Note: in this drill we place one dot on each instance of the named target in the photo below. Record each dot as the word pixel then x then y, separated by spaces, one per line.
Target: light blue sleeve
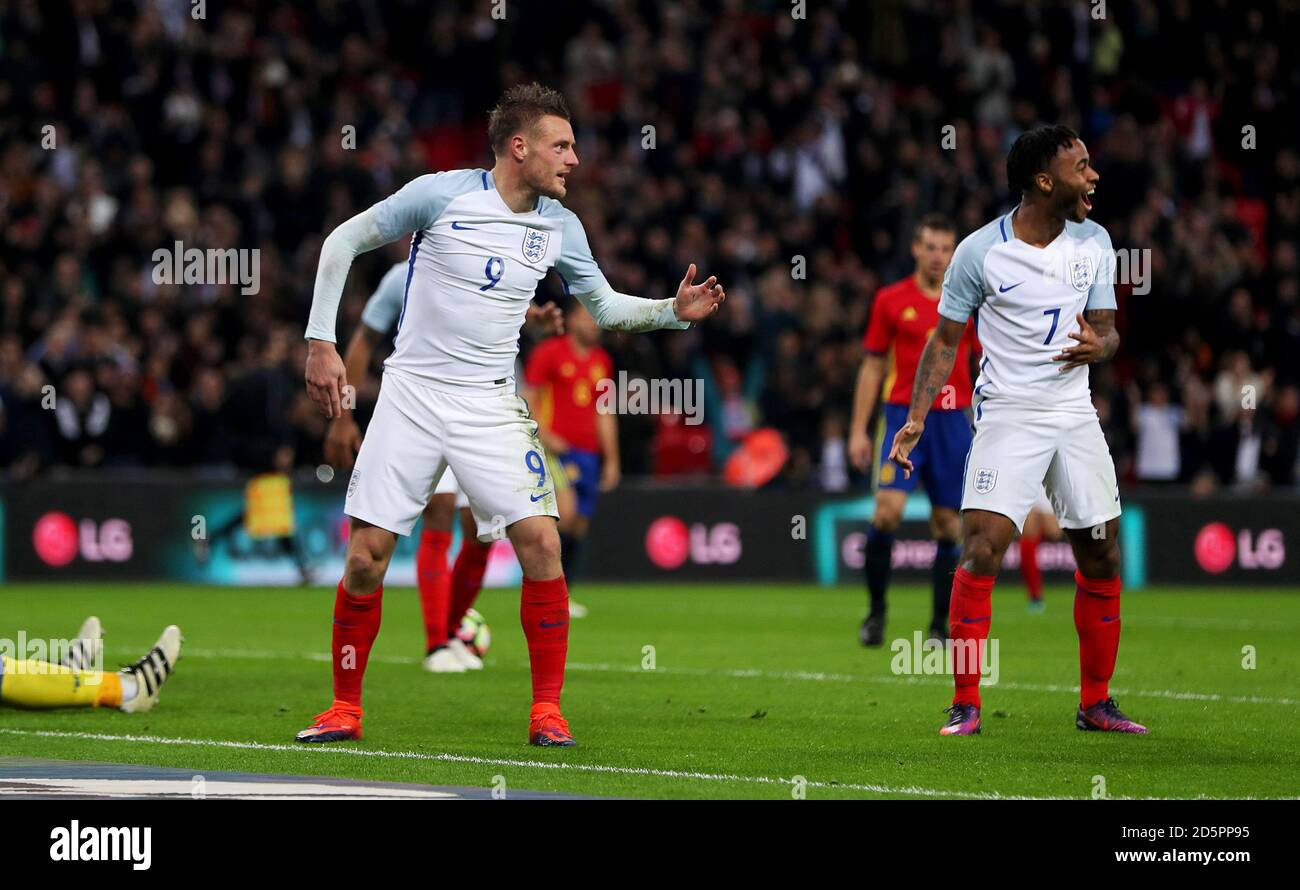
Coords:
pixel 420 202
pixel 385 304
pixel 576 265
pixel 963 283
pixel 1102 293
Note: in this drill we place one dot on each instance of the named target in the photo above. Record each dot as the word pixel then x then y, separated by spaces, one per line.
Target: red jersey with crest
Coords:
pixel 902 320
pixel 567 382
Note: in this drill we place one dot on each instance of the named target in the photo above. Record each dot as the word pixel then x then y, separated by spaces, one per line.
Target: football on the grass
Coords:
pixel 475 633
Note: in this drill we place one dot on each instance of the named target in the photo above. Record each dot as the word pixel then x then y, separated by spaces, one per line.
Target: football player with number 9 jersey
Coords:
pixel 482 240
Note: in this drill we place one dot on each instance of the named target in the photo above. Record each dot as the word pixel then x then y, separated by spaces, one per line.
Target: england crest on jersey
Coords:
pixel 1081 273
pixel 535 243
pixel 985 479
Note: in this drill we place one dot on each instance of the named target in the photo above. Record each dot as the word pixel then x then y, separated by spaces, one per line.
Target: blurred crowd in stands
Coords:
pixel 789 156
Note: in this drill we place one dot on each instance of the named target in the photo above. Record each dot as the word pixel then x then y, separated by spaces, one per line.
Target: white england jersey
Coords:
pixel 380 315
pixel 1025 300
pixel 385 304
pixel 473 269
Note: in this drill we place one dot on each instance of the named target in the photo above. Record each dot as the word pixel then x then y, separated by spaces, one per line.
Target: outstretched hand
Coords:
pixel 696 302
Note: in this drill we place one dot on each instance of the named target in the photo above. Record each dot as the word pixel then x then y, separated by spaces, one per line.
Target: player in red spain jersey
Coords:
pixel 903 315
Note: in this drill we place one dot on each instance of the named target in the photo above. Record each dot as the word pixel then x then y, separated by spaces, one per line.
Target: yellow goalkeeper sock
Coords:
pixel 39 684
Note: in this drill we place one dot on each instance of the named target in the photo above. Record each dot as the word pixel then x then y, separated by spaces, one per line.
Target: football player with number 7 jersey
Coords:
pixel 1038 283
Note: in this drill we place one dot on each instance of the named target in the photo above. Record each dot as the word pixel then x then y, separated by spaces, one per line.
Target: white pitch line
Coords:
pixel 753 673
pixel 316 750
pixel 902 791
pixel 1118 690
pixel 938 681
pixel 1239 624
pixel 909 791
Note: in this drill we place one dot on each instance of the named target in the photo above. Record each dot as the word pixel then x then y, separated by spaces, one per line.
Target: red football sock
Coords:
pixel 466 580
pixel 432 578
pixel 544 612
pixel 1096 618
pixel 969 614
pixel 356 624
pixel 1029 566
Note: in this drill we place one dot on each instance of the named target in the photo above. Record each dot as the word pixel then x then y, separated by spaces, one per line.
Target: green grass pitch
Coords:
pixel 756 691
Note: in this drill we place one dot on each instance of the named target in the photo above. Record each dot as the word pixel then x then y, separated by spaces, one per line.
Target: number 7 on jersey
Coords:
pixel 1056 317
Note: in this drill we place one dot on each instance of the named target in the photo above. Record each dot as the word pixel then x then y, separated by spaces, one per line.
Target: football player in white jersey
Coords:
pixel 482 241
pixel 1035 280
pixel 445 596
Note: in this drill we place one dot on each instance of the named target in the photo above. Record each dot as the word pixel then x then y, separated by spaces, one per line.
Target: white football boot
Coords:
pixel 86 652
pixel 461 651
pixel 152 671
pixel 444 661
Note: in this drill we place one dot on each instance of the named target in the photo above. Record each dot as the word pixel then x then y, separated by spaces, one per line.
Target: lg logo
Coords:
pixel 58 539
pixel 1217 547
pixel 669 543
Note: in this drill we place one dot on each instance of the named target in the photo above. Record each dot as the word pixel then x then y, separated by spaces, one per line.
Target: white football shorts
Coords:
pixel 448 485
pixel 485 436
pixel 1018 452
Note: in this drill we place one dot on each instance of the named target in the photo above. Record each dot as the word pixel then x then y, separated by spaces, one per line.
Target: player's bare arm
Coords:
pixel 870 376
pixel 1097 340
pixel 610 468
pixel 356 359
pixel 343 436
pixel 931 374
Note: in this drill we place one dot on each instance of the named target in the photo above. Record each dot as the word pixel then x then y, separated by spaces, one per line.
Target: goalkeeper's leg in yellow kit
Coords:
pixel 75 683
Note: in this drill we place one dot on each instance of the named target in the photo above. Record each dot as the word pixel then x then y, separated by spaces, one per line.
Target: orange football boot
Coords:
pixel 547 729
pixel 341 722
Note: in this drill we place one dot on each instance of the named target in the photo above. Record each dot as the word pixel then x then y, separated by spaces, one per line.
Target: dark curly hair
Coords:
pixel 1032 153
